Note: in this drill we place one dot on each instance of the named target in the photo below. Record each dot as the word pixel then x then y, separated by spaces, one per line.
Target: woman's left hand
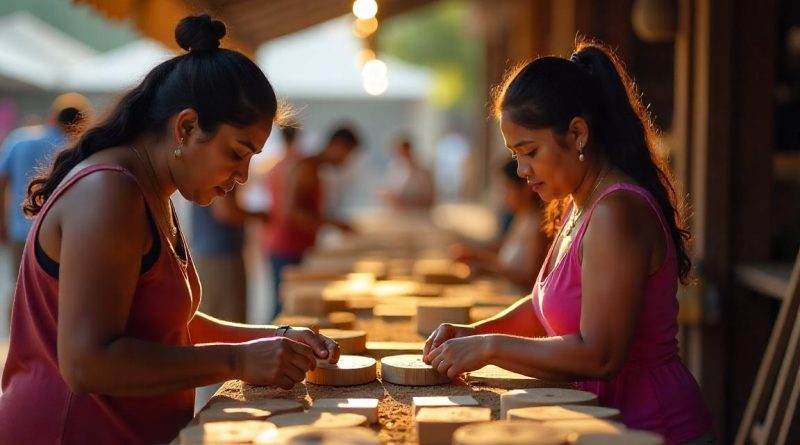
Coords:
pixel 322 346
pixel 459 355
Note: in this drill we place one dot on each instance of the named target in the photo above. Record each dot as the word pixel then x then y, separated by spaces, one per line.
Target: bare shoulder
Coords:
pixel 624 217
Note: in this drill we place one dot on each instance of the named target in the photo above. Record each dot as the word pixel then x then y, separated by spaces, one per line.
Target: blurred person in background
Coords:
pixel 107 345
pixel 25 150
pixel 297 212
pixel 409 184
pixel 524 246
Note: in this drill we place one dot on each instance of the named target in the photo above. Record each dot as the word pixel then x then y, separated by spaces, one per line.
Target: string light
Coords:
pixel 365 9
pixel 364 28
pixel 375 75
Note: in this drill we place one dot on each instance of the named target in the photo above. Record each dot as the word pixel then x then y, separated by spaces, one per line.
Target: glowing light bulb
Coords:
pixel 365 9
pixel 363 28
pixel 376 81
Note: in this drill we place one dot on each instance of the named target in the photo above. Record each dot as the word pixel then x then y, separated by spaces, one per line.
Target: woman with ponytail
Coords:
pixel 603 311
pixel 107 344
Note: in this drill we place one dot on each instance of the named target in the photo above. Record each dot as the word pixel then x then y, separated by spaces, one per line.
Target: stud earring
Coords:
pixel 178 153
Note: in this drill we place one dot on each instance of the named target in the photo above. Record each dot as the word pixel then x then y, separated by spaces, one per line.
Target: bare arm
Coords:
pixel 98 275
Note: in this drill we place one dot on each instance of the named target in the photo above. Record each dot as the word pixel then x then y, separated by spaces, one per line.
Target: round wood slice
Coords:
pixel 497 377
pixel 521 398
pixel 243 431
pixel 319 419
pixel 308 435
pixel 508 433
pixel 394 310
pixel 350 370
pixel 339 320
pixel 253 410
pixel 432 313
pixel 410 370
pixel 586 426
pixel 562 412
pixel 629 437
pixel 350 341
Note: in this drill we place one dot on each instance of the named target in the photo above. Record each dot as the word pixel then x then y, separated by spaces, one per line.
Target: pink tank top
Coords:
pixel 654 390
pixel 37 406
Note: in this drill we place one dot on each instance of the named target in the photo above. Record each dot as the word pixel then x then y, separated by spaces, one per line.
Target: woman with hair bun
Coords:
pixel 603 311
pixel 107 344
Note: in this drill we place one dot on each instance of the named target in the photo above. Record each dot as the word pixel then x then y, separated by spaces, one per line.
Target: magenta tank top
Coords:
pixel 654 391
pixel 38 407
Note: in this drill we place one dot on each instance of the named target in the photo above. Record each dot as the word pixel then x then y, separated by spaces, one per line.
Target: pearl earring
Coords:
pixel 178 153
pixel 581 157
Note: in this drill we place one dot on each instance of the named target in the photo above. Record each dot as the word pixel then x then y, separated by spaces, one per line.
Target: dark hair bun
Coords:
pixel 199 33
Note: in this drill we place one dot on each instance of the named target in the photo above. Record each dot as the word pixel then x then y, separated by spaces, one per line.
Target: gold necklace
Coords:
pixel 151 176
pixel 577 212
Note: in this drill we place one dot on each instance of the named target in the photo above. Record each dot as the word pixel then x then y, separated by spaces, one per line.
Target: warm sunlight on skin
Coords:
pixel 550 169
pixel 214 166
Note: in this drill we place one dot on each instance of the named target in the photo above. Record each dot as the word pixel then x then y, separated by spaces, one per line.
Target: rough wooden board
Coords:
pixel 521 398
pixel 630 437
pixel 350 370
pixel 562 412
pixel 380 349
pixel 305 435
pixel 248 410
pixel 350 341
pixel 508 433
pixel 409 369
pixel 366 407
pixel 496 376
pixel 437 425
pixel 243 431
pixel 441 401
pixel 319 419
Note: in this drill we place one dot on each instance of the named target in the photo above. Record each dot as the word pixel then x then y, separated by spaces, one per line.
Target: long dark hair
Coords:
pixel 221 85
pixel 550 91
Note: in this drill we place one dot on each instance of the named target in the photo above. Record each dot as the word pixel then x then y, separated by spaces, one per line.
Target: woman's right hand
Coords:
pixel 445 332
pixel 274 361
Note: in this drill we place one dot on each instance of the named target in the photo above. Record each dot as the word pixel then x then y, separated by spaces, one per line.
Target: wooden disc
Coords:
pixel 319 419
pixel 432 313
pixel 243 431
pixel 497 377
pixel 508 433
pixel 437 425
pixel 418 403
pixel 394 310
pixel 521 398
pixel 629 437
pixel 585 426
pixel 308 435
pixel 562 412
pixel 410 370
pixel 350 341
pixel 350 370
pixel 251 410
pixel 366 407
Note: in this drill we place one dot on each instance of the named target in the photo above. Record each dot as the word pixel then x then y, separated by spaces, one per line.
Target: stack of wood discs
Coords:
pixel 319 419
pixel 309 435
pixel 251 410
pixel 562 412
pixel 338 320
pixel 521 398
pixel 629 437
pixel 350 370
pixel 410 370
pixel 244 431
pixel 431 313
pixel 437 425
pixel 497 377
pixel 350 341
pixel 508 433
